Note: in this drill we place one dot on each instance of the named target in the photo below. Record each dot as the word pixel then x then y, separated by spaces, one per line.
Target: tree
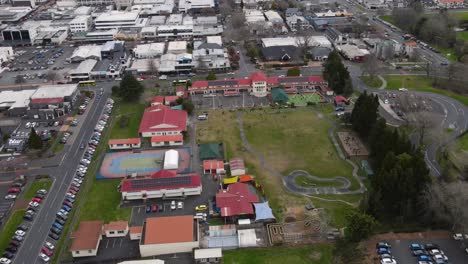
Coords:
pixel 304 42
pixel 238 20
pixel 364 114
pixel 252 51
pixel 188 106
pixel 370 66
pixel 35 141
pixel 19 79
pixel 460 49
pixel 360 226
pixel 337 75
pixel 296 71
pixel 211 77
pixel 152 67
pixel 225 8
pixel 52 76
pixel 130 89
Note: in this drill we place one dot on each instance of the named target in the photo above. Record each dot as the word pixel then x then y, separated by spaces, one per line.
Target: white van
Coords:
pixel 163 77
pixel 202 117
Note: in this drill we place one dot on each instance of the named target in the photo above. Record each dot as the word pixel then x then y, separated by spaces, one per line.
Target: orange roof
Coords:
pixel 136 229
pixel 124 141
pixel 213 164
pixel 87 236
pixel 116 225
pixel 245 178
pixel 411 43
pixel 167 138
pixel 169 229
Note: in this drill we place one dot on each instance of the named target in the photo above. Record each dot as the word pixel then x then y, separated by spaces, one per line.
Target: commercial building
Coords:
pixel 54 36
pixel 176 63
pixel 162 184
pixel 86 239
pixel 20 35
pixel 27 3
pixel 86 52
pixel 14 14
pixel 15 102
pixel 169 235
pixel 177 47
pixel 116 20
pixel 127 143
pixel 80 24
pixel 116 229
pixel 206 26
pixel 162 121
pixel 210 57
pixel 236 200
pixel 83 71
pixel 162 141
pixel 258 84
pixel 149 51
pixel 314 41
pixel 296 23
pixel 6 54
pixel 175 31
pixel 95 2
pixel 195 5
pixel 52 101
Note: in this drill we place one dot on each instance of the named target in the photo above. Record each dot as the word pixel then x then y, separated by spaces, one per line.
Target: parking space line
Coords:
pixel 113 242
pixel 120 245
pixel 107 243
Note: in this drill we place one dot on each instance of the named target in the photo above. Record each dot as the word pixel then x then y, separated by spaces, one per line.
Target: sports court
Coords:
pixel 147 162
pixel 303 99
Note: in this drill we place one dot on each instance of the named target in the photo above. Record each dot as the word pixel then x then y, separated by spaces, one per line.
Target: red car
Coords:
pixel 67 203
pixel 14 190
pixel 72 191
pixel 37 200
pixel 47 251
pixel 154 208
pixel 74 188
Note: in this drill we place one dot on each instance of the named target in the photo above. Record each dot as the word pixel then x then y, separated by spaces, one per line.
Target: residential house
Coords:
pixel 86 239
pixel 116 229
pixel 296 23
pixel 319 53
pixel 292 12
pixel 236 200
pixel 284 54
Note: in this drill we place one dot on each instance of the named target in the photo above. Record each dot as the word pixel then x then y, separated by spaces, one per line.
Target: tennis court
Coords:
pixel 122 164
pixel 303 99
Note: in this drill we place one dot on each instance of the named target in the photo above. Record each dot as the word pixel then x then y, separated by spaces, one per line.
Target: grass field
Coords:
pixel 10 227
pixel 462 35
pixel 420 83
pixel 139 163
pixel 134 112
pixel 447 52
pixel 303 99
pixel 388 18
pixel 462 15
pixel 305 181
pixel 311 254
pixel 371 82
pixel 463 141
pixel 35 186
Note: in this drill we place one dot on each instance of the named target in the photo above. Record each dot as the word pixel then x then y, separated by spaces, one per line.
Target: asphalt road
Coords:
pixel 63 174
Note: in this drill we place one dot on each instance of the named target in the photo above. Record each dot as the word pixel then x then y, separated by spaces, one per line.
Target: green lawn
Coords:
pixel 420 83
pixel 134 112
pixel 37 185
pixel 463 141
pixel 462 15
pixel 102 202
pixel 310 254
pixel 371 82
pixel 10 227
pixel 463 35
pixel 336 210
pixel 388 18
pixel 57 146
pixel 295 140
pixel 305 181
pixel 447 52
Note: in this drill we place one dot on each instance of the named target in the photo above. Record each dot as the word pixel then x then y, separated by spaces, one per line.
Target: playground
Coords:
pixel 303 99
pixel 122 164
pixel 352 145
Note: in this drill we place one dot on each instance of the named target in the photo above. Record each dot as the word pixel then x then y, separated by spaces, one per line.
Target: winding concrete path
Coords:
pixel 289 180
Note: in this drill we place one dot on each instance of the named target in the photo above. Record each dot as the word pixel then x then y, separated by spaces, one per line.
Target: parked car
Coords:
pixel 173 205
pixel 37 200
pixel 44 257
pixel 201 207
pixel 42 191
pixel 14 190
pixel 148 209
pixel 55 230
pixel 180 205
pixel 49 245
pixel 12 249
pixel 23 227
pixel 154 208
pixel 5 261
pixel 8 255
pixel 54 236
pixel 60 221
pixel 10 197
pixel 20 233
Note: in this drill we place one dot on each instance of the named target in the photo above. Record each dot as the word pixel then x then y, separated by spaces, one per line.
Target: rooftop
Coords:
pixel 85 66
pixel 177 45
pixel 14 99
pixel 236 200
pixel 124 141
pixel 164 180
pixel 163 119
pixel 116 225
pixel 169 229
pixel 87 236
pixel 116 16
pixel 54 91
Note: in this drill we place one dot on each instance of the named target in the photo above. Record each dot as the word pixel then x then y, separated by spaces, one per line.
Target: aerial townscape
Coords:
pixel 234 131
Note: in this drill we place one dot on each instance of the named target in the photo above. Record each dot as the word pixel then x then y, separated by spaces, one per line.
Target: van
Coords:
pixel 202 117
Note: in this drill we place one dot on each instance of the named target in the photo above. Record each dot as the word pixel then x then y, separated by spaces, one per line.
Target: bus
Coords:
pixel 179 82
pixel 87 83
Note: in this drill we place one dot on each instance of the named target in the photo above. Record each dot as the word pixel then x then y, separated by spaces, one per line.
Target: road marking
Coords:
pixel 113 243
pixel 63 158
pixel 120 242
pixel 107 243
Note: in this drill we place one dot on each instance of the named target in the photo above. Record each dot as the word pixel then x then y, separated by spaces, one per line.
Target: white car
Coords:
pixel 49 245
pixel 386 101
pixel 20 233
pixel 5 261
pixel 434 252
pixel 77 180
pixel 163 77
pixel 44 257
pixel 10 197
pixel 388 261
pixel 173 205
pixel 180 205
pixel 460 236
pixel 42 191
pixel 403 90
pixel 70 195
pixel 33 204
pixel 440 257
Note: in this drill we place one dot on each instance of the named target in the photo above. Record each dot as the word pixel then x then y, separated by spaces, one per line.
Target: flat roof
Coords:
pixel 157 47
pixel 85 66
pixel 169 229
pixel 54 91
pixel 116 16
pixel 15 99
pixel 208 253
pixel 177 45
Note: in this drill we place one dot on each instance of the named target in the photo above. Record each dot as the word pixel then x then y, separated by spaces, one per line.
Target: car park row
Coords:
pixel 424 254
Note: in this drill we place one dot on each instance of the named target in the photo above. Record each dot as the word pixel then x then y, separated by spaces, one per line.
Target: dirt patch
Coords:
pixel 315 255
pixel 20 204
pixel 352 144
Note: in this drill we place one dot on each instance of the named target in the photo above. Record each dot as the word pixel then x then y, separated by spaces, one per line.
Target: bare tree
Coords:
pixel 225 8
pixel 238 20
pixel 152 67
pixel 304 42
pixel 19 79
pixel 52 76
pixel 371 66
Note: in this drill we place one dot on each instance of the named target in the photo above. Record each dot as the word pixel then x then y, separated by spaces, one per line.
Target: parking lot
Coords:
pixel 453 250
pixel 218 101
pixel 5 205
pixel 407 104
pixel 33 63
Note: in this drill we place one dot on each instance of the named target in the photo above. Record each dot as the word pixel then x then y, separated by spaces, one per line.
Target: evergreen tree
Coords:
pixel 364 114
pixel 35 141
pixel 296 71
pixel 337 75
pixel 130 89
pixel 360 226
pixel 211 77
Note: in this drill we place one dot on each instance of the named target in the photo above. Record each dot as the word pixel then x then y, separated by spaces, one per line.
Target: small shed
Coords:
pixel 339 99
pixel 208 255
pixel 171 160
pixel 116 229
pixel 210 151
pixel 213 167
pixel 237 166
pixel 135 232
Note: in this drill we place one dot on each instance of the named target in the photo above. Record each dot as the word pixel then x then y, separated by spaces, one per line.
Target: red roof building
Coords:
pixel 47 101
pixel 236 200
pixel 124 143
pixel 170 99
pixel 162 121
pixel 181 91
pixel 213 166
pixel 340 99
pixel 157 100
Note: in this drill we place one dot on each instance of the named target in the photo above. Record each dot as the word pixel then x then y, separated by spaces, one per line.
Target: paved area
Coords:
pixel 113 250
pixel 5 205
pixel 218 101
pixel 451 248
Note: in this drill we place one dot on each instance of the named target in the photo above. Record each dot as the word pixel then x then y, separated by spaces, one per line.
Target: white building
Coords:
pixel 86 52
pixel 254 16
pixel 177 47
pixel 148 51
pixel 186 5
pixel 211 57
pixel 24 34
pixel 174 19
pixel 95 2
pixel 83 11
pixel 6 54
pixel 273 16
pixel 171 160
pixel 116 229
pixel 170 63
pixel 206 26
pixel 161 141
pixel 175 31
pixel 148 32
pixel 296 23
pixel 116 19
pixel 83 71
pixel 123 4
pixel 207 255
pixel 126 143
pixel 81 24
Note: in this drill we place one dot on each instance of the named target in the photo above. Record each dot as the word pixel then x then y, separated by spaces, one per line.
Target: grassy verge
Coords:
pixel 461 15
pixel 310 254
pixel 463 142
pixel 420 83
pixel 336 210
pixel 10 227
pixel 388 18
pixel 128 128
pixel 446 52
pixel 462 35
pixel 36 186
pixel 305 181
pixel 371 82
pixel 57 146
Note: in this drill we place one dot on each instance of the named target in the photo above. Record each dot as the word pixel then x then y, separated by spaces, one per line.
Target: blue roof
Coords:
pixel 263 211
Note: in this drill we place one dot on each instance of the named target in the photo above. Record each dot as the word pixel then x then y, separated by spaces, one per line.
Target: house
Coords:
pixel 135 232
pixel 161 184
pixel 213 167
pixel 409 47
pixel 296 23
pixel 126 143
pixel 169 235
pixel 161 141
pixel 207 255
pixel 211 57
pixel 157 100
pixel 116 229
pixel 171 99
pixel 236 200
pixel 237 166
pixel 162 121
pixel 336 36
pixel 352 52
pixel 319 53
pixel 340 100
pixel 292 12
pixel 282 54
pixel 86 239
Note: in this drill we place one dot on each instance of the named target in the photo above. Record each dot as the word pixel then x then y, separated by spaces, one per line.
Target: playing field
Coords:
pixel 303 99
pixel 144 162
